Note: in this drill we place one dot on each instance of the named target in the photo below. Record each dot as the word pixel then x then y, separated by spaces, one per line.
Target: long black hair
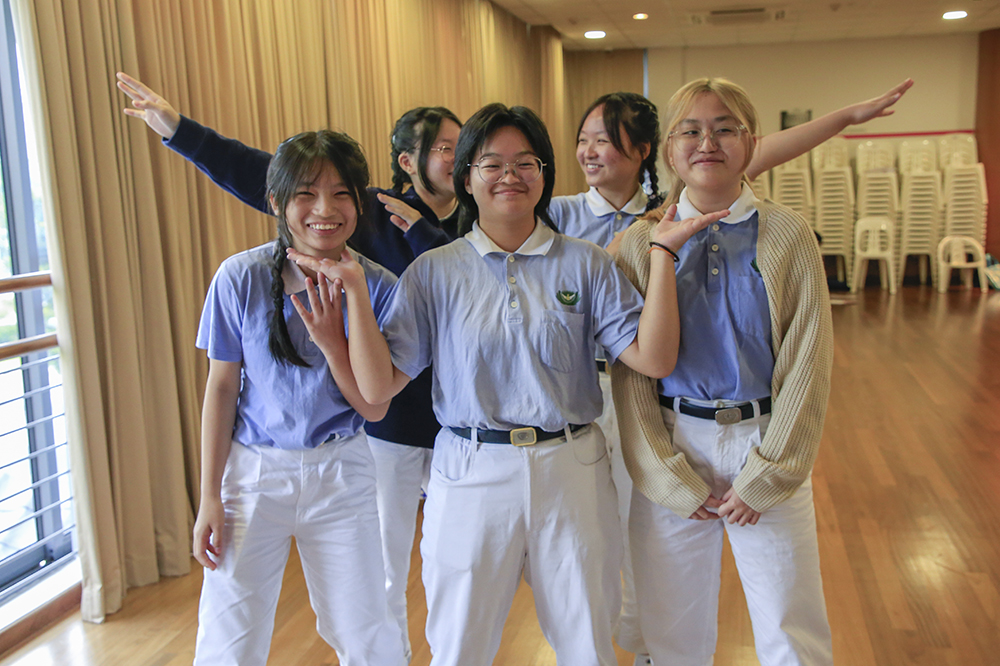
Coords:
pixel 299 160
pixel 483 124
pixel 417 129
pixel 638 117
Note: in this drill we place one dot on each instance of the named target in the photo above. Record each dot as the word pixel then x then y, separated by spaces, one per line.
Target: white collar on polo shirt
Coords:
pixel 538 242
pixel 600 206
pixel 741 209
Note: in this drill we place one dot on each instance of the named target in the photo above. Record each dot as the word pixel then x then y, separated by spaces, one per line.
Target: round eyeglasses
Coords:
pixel 493 169
pixel 446 152
pixel 723 137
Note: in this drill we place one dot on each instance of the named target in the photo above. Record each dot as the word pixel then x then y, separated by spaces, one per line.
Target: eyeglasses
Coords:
pixel 723 137
pixel 493 169
pixel 446 152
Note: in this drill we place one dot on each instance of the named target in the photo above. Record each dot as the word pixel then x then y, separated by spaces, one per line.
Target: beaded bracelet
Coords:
pixel 653 245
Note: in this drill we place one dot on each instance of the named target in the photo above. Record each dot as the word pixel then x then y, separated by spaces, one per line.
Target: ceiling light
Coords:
pixel 955 15
pixel 595 34
pixel 640 17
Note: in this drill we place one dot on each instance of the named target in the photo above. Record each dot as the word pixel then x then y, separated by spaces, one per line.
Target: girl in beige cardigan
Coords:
pixel 728 441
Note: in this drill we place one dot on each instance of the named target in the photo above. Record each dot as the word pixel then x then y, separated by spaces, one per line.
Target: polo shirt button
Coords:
pixel 510 259
pixel 618 216
pixel 513 304
pixel 715 227
pixel 715 247
pixel 512 279
pixel 715 271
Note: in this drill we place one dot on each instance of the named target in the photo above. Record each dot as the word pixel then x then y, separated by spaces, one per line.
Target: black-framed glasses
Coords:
pixel 493 169
pixel 724 137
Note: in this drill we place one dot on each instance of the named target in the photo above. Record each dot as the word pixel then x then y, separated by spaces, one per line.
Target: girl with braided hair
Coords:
pixel 283 450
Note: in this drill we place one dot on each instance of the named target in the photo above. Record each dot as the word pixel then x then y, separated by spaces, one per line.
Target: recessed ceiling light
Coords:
pixel 955 15
pixel 640 17
pixel 595 34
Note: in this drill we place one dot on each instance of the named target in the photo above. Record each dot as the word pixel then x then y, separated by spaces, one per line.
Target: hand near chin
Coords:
pixel 674 233
pixel 344 273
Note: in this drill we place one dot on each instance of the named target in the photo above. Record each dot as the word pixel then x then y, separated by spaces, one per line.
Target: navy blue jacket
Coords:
pixel 242 171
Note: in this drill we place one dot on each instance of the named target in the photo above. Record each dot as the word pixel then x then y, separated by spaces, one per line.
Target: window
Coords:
pixel 36 516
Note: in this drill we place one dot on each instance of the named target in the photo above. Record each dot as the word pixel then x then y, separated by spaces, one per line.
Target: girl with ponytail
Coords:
pixel 283 452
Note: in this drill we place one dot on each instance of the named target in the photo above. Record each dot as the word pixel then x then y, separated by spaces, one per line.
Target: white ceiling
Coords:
pixel 671 23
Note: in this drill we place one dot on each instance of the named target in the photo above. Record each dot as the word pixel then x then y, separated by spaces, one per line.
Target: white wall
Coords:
pixel 824 76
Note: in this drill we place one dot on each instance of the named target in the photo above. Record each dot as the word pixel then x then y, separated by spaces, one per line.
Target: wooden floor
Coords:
pixel 908 502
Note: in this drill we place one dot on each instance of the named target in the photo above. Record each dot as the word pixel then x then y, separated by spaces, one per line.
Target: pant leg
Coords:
pixel 401 471
pixel 574 547
pixel 238 599
pixel 677 564
pixel 337 534
pixel 472 548
pixel 778 561
pixel 627 631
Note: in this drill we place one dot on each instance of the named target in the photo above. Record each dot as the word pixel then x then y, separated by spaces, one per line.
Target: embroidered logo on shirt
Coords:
pixel 568 297
pixel 753 265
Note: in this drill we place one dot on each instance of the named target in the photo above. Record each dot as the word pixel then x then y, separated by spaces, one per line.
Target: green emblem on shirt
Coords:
pixel 568 297
pixel 753 265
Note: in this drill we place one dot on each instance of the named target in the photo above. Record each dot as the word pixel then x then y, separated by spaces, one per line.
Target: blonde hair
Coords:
pixel 732 96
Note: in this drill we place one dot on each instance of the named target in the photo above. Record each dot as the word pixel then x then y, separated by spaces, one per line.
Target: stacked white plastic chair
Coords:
pixel 874 156
pixel 957 150
pixel 965 202
pixel 835 217
pixel 878 186
pixel 922 203
pixel 963 253
pixel 791 186
pixel 917 155
pixel 761 185
pixel 832 153
pixel 873 239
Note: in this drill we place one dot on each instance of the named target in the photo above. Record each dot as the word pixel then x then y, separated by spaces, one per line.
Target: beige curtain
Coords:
pixel 135 233
pixel 590 74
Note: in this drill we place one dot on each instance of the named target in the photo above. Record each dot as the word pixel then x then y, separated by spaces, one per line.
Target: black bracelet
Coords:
pixel 666 249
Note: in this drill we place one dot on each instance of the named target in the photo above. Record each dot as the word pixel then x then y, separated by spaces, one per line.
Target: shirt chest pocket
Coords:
pixel 561 344
pixel 749 306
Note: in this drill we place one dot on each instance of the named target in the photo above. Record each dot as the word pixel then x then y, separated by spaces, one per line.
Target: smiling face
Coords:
pixel 510 199
pixel 604 165
pixel 709 169
pixel 321 214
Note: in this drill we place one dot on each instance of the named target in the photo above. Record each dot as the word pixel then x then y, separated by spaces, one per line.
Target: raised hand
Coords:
pixel 349 272
pixel 403 215
pixel 157 112
pixel 878 107
pixel 674 233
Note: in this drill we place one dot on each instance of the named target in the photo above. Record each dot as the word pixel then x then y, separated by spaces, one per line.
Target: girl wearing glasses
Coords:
pixel 616 149
pixel 510 316
pixel 400 225
pixel 727 442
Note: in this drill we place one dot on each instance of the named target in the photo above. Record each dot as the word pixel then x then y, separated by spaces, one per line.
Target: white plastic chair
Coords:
pixel 873 239
pixel 963 253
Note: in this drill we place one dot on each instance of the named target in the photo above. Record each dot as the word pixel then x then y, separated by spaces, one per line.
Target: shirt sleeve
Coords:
pixel 406 324
pixel 617 306
pixel 220 331
pixel 423 236
pixel 232 165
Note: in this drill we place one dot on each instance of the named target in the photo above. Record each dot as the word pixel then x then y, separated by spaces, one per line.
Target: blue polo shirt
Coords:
pixel 725 351
pixel 589 216
pixel 280 405
pixel 512 334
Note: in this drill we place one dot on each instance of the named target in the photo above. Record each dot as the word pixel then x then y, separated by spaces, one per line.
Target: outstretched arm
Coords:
pixel 235 167
pixel 780 147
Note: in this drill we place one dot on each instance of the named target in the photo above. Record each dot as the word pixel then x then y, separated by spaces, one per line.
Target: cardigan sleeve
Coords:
pixel 802 338
pixel 660 473
pixel 232 165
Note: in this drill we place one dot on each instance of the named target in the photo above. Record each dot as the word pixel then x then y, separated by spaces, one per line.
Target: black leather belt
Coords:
pixel 525 436
pixel 602 365
pixel 721 415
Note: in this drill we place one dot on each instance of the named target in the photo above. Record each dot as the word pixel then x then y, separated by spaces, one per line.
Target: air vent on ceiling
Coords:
pixel 737 16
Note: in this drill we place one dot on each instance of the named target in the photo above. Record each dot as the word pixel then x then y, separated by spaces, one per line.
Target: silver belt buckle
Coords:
pixel 728 416
pixel 524 436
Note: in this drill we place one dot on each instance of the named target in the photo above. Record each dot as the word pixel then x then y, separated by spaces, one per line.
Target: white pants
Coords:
pixel 678 561
pixel 401 472
pixel 627 631
pixel 325 498
pixel 494 511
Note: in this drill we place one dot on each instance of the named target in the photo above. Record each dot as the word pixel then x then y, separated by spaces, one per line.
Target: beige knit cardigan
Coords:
pixel 802 340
